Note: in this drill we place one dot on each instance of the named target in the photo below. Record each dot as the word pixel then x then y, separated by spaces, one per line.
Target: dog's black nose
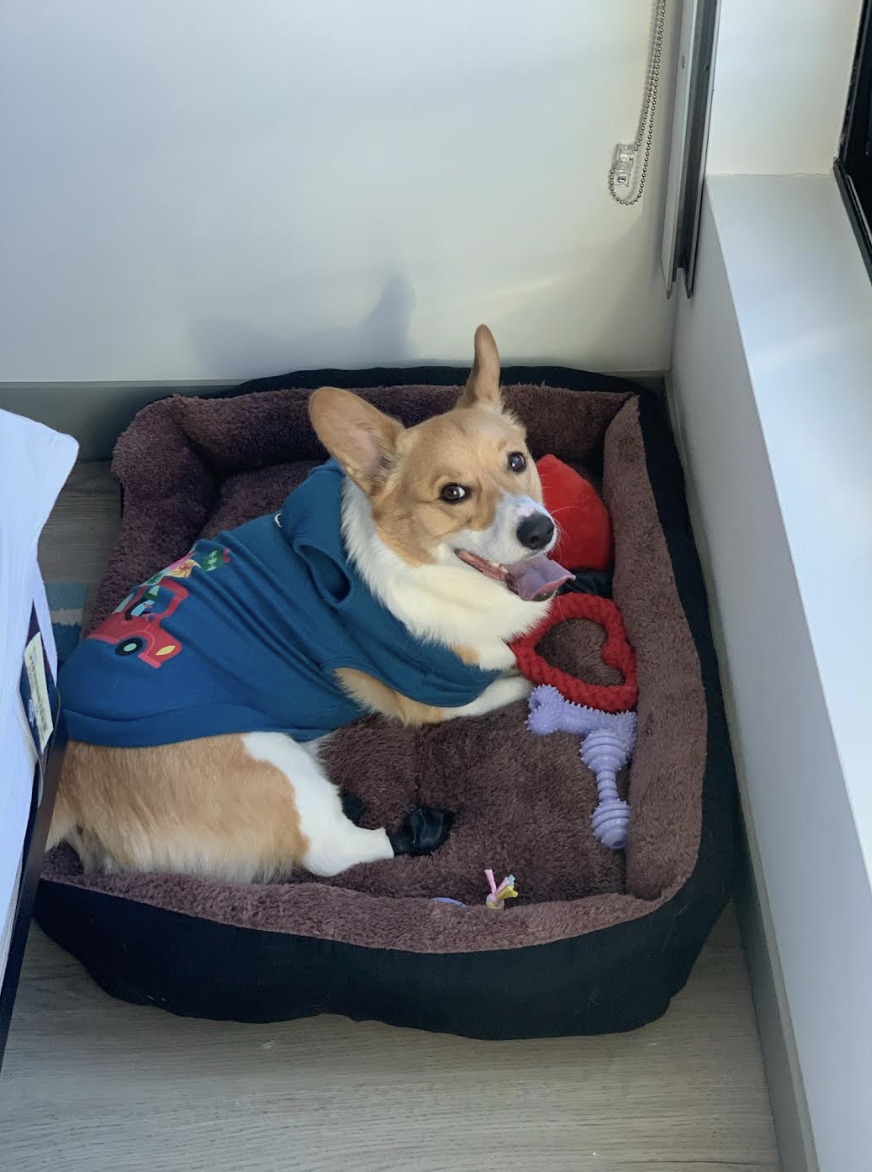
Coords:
pixel 536 531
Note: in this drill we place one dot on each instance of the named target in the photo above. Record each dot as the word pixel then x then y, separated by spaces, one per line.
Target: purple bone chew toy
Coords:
pixel 608 741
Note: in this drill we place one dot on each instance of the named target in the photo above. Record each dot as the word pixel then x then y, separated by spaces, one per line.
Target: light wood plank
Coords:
pixel 78 538
pixel 124 1089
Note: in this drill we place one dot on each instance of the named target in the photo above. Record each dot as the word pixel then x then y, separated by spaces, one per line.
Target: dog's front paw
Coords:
pixel 423 832
pixel 507 690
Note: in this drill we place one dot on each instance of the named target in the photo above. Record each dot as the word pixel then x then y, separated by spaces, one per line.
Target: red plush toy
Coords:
pixel 585 528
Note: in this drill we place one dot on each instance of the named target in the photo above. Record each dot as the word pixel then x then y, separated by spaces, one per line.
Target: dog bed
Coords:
pixel 599 940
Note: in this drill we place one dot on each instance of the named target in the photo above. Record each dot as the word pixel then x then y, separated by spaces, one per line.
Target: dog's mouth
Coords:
pixel 534 579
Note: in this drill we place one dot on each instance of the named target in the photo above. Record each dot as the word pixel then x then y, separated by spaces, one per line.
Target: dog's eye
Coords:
pixel 453 493
pixel 517 461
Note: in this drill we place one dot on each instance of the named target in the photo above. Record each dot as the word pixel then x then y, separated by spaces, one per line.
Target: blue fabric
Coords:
pixel 66 595
pixel 245 633
pixel 66 603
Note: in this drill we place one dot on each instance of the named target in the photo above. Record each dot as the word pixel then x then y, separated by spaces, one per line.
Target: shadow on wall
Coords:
pixel 382 338
pixel 532 313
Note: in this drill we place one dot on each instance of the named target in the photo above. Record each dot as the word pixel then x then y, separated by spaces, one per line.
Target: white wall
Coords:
pixel 780 85
pixel 214 189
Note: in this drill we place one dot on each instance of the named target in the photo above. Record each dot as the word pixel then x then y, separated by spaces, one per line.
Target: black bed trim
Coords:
pixel 435 376
pixel 614 979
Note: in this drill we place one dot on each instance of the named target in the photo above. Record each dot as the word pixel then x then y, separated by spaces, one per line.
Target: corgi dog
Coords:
pixel 391 581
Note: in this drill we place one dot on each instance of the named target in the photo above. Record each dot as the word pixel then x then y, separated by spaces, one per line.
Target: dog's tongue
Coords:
pixel 537 578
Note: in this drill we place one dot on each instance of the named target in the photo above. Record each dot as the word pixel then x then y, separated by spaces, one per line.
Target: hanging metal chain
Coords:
pixel 626 155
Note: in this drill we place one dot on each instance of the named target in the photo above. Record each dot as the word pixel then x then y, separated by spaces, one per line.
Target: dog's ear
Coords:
pixel 483 385
pixel 362 438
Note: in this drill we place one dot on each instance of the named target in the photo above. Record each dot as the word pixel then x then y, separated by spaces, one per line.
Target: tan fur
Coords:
pixel 467 654
pixel 202 806
pixel 483 385
pixel 378 697
pixel 402 470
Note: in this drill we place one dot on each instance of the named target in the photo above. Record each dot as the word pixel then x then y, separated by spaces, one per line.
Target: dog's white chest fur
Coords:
pixel 443 603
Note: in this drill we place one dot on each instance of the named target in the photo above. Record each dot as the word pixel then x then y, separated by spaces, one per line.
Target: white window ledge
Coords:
pixel 772 391
pixel 803 303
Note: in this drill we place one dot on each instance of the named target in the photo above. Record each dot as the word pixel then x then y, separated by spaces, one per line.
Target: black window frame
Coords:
pixel 853 166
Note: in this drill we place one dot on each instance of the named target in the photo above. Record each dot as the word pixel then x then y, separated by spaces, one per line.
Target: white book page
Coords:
pixel 34 464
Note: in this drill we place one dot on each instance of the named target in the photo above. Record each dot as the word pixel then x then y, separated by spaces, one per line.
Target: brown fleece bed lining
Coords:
pixel 190 467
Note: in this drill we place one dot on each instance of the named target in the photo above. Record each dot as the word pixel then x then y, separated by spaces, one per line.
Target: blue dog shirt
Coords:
pixel 245 634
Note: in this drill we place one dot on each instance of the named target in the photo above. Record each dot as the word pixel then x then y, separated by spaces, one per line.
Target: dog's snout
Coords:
pixel 536 531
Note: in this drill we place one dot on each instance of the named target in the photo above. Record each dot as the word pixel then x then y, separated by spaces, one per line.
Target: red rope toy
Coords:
pixel 616 652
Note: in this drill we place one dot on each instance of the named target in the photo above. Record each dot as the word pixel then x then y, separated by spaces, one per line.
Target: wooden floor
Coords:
pixel 94 1085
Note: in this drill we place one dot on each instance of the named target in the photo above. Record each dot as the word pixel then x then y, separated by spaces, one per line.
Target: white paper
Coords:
pixel 34 464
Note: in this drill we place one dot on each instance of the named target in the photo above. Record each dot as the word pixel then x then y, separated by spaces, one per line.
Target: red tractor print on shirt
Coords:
pixel 135 627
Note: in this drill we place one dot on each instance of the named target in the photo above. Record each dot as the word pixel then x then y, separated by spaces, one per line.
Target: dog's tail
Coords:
pixel 63 821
